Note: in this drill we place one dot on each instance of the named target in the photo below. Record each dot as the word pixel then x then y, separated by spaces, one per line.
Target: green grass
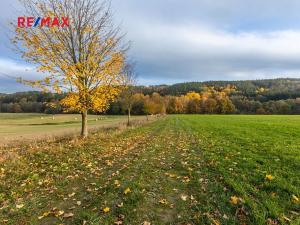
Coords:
pixel 180 170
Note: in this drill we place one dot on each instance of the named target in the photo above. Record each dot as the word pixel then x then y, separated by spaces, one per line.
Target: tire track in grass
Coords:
pixel 142 176
pixel 166 181
pixel 171 184
pixel 213 196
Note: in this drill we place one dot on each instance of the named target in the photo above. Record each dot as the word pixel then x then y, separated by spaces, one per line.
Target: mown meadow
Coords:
pixel 36 126
pixel 183 169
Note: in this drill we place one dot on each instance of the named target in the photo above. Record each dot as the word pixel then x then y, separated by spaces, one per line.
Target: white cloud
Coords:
pixel 175 40
pixel 10 69
pixel 202 53
pixel 18 69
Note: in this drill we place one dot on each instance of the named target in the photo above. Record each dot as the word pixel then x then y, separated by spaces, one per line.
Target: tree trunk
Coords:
pixel 129 115
pixel 84 125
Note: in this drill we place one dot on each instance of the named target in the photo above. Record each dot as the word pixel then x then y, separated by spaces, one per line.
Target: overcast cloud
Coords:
pixel 194 40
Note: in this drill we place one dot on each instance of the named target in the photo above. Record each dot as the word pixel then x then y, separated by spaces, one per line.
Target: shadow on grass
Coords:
pixel 54 123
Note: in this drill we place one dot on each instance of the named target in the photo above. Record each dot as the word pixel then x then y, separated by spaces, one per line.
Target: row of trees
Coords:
pixel 246 106
pixel 209 101
pixel 133 101
pixel 31 107
pixel 129 102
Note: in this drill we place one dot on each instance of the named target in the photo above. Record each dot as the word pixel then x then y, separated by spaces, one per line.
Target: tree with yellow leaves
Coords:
pixel 84 59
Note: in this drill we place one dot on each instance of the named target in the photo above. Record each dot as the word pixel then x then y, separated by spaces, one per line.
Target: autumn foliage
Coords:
pixel 210 101
pixel 85 60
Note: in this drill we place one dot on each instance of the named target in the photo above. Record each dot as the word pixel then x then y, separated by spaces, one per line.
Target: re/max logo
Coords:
pixel 43 21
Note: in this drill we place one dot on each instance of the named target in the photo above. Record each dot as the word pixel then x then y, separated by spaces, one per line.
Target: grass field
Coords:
pixel 32 126
pixel 178 170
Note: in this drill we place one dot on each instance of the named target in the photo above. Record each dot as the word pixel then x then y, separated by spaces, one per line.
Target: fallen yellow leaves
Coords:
pixel 186 179
pixel 57 213
pixel 71 195
pixel 295 198
pixel 45 214
pixel 215 222
pixel 108 163
pixel 163 201
pixel 269 177
pixel 2 171
pixel 127 190
pixel 120 205
pixel 117 183
pixel 113 189
pixel 170 175
pixel 234 200
pixel 184 197
pixel 106 209
pixel 286 218
pixel 19 206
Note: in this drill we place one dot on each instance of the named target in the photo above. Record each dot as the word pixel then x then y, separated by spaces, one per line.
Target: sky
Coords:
pixel 176 41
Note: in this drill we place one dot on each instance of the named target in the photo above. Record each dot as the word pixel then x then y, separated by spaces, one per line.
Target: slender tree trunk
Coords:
pixel 84 125
pixel 129 115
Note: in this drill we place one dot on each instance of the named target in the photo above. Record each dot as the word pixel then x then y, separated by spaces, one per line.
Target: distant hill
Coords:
pixel 270 96
pixel 282 88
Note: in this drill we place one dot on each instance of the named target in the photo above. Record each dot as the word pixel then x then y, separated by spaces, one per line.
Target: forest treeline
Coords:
pixel 274 96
